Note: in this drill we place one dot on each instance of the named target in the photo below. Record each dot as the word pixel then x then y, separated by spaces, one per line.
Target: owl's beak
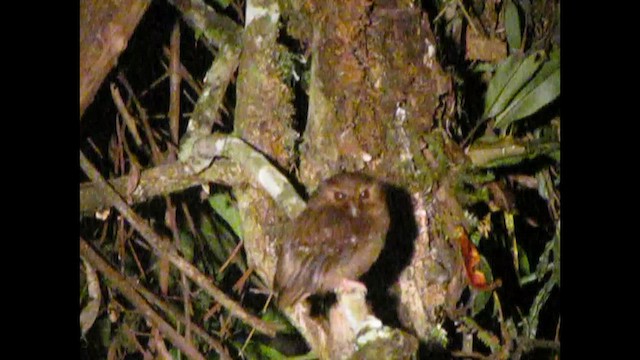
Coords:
pixel 353 209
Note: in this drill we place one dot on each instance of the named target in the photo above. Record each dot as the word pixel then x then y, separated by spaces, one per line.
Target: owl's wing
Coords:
pixel 315 247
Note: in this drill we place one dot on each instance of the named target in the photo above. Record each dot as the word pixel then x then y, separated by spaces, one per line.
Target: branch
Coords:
pixel 160 180
pixel 255 165
pixel 120 283
pixel 178 316
pixel 105 29
pixel 218 30
pixel 164 249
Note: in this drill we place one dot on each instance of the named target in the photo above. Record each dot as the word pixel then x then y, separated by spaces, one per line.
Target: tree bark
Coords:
pixel 105 29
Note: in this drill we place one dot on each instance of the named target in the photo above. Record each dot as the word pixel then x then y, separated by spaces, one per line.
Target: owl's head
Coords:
pixel 355 191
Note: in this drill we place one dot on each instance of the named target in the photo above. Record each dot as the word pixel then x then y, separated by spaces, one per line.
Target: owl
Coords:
pixel 334 240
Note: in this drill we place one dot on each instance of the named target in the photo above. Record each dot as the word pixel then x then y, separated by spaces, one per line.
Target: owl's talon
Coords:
pixel 351 286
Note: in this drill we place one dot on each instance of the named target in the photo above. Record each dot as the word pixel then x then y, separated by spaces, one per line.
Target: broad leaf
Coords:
pixel 222 204
pixel 512 26
pixel 540 91
pixel 510 77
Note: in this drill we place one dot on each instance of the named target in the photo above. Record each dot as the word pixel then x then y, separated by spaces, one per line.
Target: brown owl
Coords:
pixel 334 240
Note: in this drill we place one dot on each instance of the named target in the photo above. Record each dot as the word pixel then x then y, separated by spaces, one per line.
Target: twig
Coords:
pixel 526 345
pixel 184 73
pixel 135 258
pixel 131 335
pixel 120 283
pixel 144 119
pixel 465 354
pixel 184 283
pixel 469 19
pixel 161 349
pixel 264 308
pixel 129 120
pixel 163 249
pixel 176 314
pixel 174 88
pixel 231 256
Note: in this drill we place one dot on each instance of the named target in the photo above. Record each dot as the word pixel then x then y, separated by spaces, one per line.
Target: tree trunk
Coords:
pixel 376 93
pixel 377 101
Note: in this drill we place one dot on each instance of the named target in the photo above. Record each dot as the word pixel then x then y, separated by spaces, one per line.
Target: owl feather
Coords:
pixel 337 237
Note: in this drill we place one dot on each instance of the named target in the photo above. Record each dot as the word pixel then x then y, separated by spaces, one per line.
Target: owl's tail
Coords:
pixel 298 279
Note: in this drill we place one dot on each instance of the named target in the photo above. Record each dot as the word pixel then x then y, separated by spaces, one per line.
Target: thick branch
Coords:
pixel 105 29
pixel 160 180
pixel 218 30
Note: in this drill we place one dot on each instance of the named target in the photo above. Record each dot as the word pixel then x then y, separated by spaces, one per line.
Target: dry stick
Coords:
pixel 161 349
pixel 155 150
pixel 184 73
pixel 174 121
pixel 231 256
pixel 131 336
pixel 174 81
pixel 129 120
pixel 470 355
pixel 137 300
pixel 163 249
pixel 135 258
pixel 171 212
pixel 176 314
pixel 264 308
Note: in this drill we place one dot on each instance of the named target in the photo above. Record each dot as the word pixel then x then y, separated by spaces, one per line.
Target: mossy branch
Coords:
pixel 160 180
pixel 218 30
pixel 255 165
pixel 164 249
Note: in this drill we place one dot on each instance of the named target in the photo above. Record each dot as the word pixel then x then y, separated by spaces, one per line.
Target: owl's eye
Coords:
pixel 338 195
pixel 364 194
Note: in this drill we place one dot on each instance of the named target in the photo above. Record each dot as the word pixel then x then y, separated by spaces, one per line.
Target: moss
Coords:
pixel 264 117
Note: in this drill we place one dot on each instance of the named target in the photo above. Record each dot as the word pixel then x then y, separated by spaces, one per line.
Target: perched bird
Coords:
pixel 334 240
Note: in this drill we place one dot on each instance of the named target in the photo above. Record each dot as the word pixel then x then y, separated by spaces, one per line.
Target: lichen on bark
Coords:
pixel 263 118
pixel 376 93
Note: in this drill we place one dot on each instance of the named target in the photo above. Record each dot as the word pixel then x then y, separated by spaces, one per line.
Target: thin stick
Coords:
pixel 231 256
pixel 164 249
pixel 174 81
pixel 129 120
pixel 120 283
pixel 184 283
pixel 176 314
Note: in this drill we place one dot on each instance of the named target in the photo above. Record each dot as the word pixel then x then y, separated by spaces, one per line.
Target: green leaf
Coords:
pixel 556 254
pixel 540 91
pixel 510 77
pixel 186 246
pixel 277 318
pixel 537 305
pixel 223 3
pixel 104 328
pixel 482 298
pixel 90 312
pixel 512 26
pixel 523 260
pixel 488 152
pixel 257 350
pixel 223 205
pixel 503 72
pixel 270 353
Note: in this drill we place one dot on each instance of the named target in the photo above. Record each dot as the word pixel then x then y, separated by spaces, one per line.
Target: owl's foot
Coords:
pixel 351 286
